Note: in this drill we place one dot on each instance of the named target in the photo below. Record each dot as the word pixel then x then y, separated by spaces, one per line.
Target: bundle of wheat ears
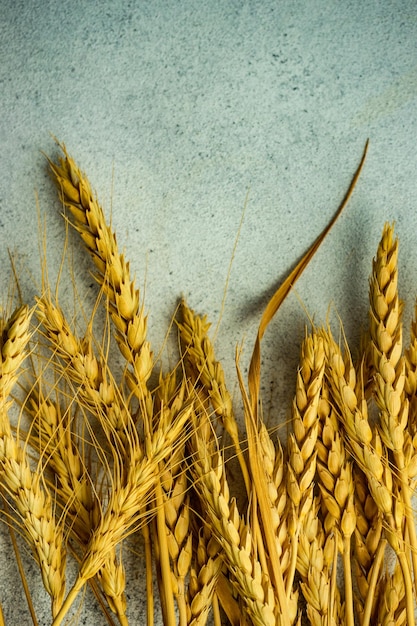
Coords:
pixel 324 533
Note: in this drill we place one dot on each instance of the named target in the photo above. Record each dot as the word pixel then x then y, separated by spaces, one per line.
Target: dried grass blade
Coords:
pixel 282 292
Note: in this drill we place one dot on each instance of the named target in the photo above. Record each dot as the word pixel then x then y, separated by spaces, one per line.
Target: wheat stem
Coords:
pixel 149 578
pixel 169 607
pixel 409 596
pixel 347 572
pixel 373 581
pixel 69 600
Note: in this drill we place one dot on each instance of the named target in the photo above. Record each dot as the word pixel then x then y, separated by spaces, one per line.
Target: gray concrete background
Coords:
pixel 177 111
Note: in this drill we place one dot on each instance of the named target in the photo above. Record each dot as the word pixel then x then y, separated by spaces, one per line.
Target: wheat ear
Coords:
pixel 231 532
pixel 207 373
pixel 410 385
pixel 386 344
pixel 130 494
pixel 171 525
pixel 315 563
pixel 410 388
pixel 205 570
pixel 369 550
pixel 368 451
pixel 113 274
pixel 24 486
pixel 98 393
pixel 90 373
pixel 337 492
pixel 392 609
pixel 274 462
pixel 14 338
pixel 302 441
pixel 51 430
pixel 389 367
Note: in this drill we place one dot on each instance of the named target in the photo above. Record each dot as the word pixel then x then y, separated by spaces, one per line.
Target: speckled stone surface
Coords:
pixel 182 114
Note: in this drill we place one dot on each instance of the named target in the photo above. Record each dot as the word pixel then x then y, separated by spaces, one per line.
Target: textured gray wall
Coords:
pixel 177 111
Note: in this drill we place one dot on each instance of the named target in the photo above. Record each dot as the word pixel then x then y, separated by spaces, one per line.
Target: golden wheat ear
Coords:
pixel 24 486
pixel 131 493
pixel 113 274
